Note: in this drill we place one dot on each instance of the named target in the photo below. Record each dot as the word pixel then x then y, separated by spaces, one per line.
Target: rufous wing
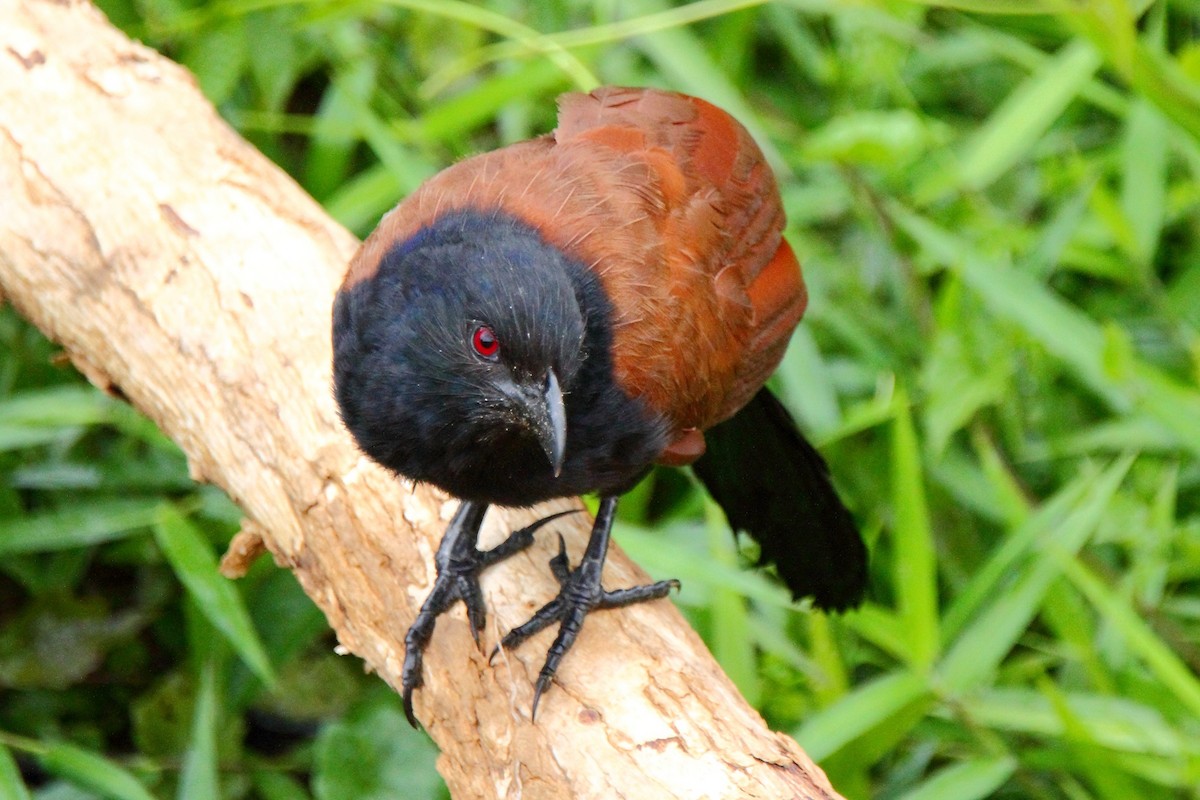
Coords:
pixel 716 210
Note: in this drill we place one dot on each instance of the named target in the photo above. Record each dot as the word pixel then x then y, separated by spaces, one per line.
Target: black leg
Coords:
pixel 581 592
pixel 458 562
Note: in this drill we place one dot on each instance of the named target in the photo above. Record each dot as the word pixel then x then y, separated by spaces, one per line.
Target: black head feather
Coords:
pixel 412 388
pixel 422 401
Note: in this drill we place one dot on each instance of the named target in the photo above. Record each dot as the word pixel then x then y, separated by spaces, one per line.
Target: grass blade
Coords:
pixel 1079 744
pixel 1144 178
pixel 1117 723
pixel 503 25
pixel 1026 114
pixel 198 780
pixel 695 568
pixel 871 704
pixel 196 566
pixel 733 649
pixel 997 627
pixel 1101 357
pixel 881 627
pixel 915 573
pixel 996 6
pixel 59 406
pixel 983 585
pixel 91 771
pixel 968 780
pixel 11 785
pixel 1166 666
pixel 86 522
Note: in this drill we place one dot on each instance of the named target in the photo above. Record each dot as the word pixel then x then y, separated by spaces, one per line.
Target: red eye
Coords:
pixel 485 343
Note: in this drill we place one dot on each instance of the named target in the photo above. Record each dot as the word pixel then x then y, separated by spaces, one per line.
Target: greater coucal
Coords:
pixel 557 316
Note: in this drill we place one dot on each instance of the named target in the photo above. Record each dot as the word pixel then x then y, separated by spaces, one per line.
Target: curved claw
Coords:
pixel 520 539
pixel 580 593
pixel 560 565
pixel 406 696
pixel 543 683
pixel 459 562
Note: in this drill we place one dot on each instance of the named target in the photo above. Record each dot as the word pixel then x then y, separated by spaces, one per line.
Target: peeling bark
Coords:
pixel 183 271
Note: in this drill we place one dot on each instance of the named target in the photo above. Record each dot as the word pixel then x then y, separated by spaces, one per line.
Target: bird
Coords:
pixel 558 316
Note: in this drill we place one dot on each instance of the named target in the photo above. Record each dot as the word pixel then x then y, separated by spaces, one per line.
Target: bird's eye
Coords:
pixel 485 343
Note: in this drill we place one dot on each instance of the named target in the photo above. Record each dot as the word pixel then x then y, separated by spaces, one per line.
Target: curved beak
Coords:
pixel 553 433
pixel 543 411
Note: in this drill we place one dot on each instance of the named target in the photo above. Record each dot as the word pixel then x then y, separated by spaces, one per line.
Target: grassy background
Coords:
pixel 996 205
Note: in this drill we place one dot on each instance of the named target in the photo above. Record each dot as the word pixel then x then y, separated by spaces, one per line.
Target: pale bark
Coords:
pixel 180 268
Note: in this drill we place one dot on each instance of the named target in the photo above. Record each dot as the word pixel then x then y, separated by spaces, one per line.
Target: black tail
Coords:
pixel 775 486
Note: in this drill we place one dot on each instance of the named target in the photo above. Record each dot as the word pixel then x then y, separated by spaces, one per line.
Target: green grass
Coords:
pixel 998 209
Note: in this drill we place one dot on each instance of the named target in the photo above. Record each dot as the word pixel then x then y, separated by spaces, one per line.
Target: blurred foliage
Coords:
pixel 996 205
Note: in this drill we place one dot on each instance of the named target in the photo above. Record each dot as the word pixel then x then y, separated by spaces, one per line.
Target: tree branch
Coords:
pixel 181 269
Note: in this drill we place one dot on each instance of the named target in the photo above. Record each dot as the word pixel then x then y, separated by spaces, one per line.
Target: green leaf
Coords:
pixel 882 628
pixel 694 568
pixel 965 371
pixel 1066 332
pixel 198 781
pixel 11 785
pixel 85 522
pixel 823 664
pixel 1153 73
pixel 331 149
pixel 967 780
pixel 1010 608
pixel 1107 777
pixel 193 561
pixel 870 704
pixel 361 201
pixel 91 771
pixel 997 6
pixel 1118 723
pixel 914 571
pixel 274 60
pixel 1144 178
pixel 988 577
pixel 878 138
pixel 47 414
pixel 503 25
pixel 19 438
pixel 1158 657
pixel 1026 114
pixel 476 107
pixel 733 650
pixel 1044 258
pixel 806 385
pixel 59 406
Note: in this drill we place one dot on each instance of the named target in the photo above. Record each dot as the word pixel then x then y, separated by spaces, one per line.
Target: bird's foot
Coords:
pixel 458 563
pixel 580 594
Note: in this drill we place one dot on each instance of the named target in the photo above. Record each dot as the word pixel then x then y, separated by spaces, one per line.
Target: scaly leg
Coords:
pixel 581 592
pixel 459 562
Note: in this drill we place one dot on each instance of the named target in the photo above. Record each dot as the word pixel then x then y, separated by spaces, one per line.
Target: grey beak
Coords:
pixel 553 433
pixel 543 413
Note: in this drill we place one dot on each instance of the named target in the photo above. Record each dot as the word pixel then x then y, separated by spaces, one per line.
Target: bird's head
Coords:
pixel 452 360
